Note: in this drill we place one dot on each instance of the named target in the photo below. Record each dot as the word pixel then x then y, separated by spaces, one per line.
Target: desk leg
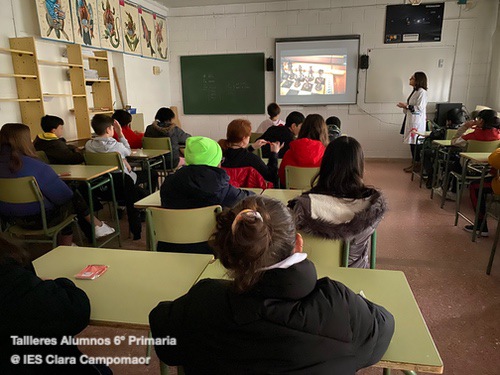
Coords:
pixel 387 371
pixel 115 209
pixel 479 198
pixel 493 249
pixel 434 171
pixel 460 190
pixel 91 213
pixel 446 181
pixel 148 170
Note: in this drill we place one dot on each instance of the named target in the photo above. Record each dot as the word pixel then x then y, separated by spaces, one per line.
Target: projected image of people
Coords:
pixel 313 75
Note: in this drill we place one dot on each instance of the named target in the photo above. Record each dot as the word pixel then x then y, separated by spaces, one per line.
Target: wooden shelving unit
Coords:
pixel 29 89
pixel 102 100
pixel 27 77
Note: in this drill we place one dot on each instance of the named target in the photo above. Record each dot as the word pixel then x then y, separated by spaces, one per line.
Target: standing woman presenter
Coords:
pixel 415 116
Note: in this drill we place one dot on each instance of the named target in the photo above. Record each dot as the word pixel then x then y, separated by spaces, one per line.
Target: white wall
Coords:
pixel 253 28
pixel 140 87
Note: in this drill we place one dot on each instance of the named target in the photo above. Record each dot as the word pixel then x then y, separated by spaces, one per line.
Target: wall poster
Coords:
pixel 110 32
pixel 147 32
pixel 54 19
pixel 85 26
pixel 130 26
pixel 161 41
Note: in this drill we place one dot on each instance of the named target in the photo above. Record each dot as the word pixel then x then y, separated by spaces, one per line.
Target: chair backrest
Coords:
pixel 22 190
pixel 450 133
pixel 482 146
pixel 327 253
pixel 299 177
pixel 247 177
pixel 254 136
pixel 162 143
pixel 104 158
pixel 43 156
pixel 180 226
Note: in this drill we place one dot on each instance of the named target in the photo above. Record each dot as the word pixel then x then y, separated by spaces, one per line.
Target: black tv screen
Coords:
pixel 409 23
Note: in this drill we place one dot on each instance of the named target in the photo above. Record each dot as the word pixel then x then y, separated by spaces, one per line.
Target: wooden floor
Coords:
pixel 446 271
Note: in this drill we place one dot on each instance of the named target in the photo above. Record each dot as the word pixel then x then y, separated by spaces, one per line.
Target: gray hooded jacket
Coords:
pixel 352 220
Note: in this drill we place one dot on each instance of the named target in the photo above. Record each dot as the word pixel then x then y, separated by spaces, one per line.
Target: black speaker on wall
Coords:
pixel 364 62
pixel 269 64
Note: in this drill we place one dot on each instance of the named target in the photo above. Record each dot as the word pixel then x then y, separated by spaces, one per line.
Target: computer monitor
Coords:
pixel 441 111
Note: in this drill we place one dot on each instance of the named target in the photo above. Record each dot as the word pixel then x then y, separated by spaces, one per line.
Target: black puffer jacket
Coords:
pixel 291 323
pixel 50 309
pixel 197 186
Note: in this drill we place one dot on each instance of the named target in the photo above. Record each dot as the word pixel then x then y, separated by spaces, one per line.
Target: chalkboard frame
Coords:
pixel 241 75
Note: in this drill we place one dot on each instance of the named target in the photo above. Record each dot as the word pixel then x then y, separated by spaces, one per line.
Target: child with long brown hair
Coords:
pixel 274 315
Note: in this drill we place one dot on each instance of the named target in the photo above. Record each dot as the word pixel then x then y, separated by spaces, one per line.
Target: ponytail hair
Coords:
pixel 490 119
pixel 258 232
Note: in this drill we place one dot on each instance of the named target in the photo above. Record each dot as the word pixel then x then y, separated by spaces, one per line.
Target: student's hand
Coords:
pixel 402 105
pixel 258 143
pixel 471 124
pixel 118 129
pixel 276 146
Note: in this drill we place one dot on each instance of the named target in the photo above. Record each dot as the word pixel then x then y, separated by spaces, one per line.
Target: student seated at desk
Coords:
pixel 200 183
pixel 163 126
pixel 127 189
pixel 40 309
pixel 51 142
pixel 491 185
pixel 340 205
pixel 125 120
pixel 308 149
pixel 484 127
pixel 274 316
pixel 282 134
pixel 18 159
pixel 238 154
pixel 273 111
pixel 333 124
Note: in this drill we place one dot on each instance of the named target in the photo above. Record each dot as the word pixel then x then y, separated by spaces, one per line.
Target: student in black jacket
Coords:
pixel 34 308
pixel 200 183
pixel 51 142
pixel 282 134
pixel 238 153
pixel 274 316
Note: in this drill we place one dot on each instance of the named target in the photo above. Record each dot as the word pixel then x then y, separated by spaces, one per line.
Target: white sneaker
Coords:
pixel 103 230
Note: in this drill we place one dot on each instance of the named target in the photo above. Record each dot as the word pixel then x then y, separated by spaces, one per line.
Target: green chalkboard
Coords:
pixel 223 84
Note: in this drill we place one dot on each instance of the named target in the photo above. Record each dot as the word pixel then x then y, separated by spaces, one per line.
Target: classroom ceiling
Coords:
pixel 197 3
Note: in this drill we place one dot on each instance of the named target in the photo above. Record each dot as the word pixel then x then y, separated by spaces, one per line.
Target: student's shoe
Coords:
pixel 103 230
pixel 408 169
pixel 484 233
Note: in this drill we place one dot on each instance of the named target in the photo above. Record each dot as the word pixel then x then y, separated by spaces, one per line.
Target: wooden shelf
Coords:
pixel 94 57
pixel 13 75
pixel 99 112
pixel 19 100
pixel 59 63
pixel 56 95
pixel 21 52
pixel 97 80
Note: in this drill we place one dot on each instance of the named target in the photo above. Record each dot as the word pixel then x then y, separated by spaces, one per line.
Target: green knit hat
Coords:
pixel 202 151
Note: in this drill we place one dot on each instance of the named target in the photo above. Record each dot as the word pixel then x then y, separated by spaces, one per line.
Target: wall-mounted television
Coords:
pixel 317 71
pixel 406 23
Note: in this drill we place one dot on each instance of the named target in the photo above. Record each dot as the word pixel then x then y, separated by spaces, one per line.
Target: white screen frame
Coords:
pixel 345 44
